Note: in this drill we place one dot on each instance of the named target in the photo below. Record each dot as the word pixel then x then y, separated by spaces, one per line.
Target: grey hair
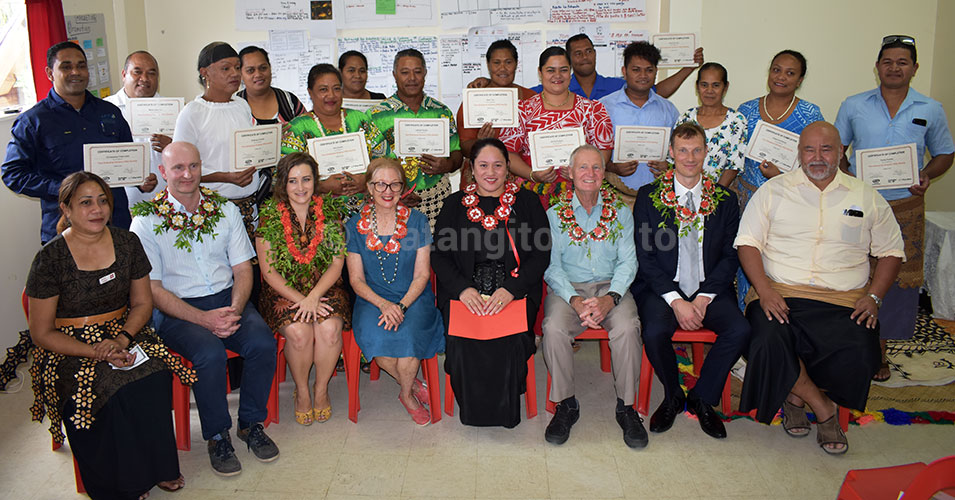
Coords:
pixel 409 53
pixel 586 147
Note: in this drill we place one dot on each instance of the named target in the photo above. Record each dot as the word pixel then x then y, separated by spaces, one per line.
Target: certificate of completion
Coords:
pixel 552 148
pixel 360 104
pixel 890 167
pixel 676 49
pixel 154 115
pixel 339 153
pixel 257 147
pixel 632 143
pixel 497 105
pixel 773 144
pixel 420 136
pixel 119 164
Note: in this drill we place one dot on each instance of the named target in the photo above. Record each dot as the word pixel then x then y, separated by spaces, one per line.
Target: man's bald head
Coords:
pixel 820 151
pixel 182 169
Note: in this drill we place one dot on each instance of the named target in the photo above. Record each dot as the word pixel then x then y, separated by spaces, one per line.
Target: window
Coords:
pixel 16 77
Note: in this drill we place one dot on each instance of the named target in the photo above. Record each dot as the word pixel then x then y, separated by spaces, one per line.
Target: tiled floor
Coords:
pixel 386 456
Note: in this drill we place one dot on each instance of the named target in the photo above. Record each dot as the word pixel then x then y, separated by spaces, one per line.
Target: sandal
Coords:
pixel 302 417
pixel 172 486
pixel 883 374
pixel 420 391
pixel 795 421
pixel 829 432
pixel 322 415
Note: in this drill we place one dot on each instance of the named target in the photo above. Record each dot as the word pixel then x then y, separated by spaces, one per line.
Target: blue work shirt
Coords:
pixel 863 122
pixel 656 112
pixel 590 261
pixel 603 85
pixel 47 146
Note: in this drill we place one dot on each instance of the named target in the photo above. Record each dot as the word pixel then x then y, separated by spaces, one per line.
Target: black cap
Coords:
pixel 215 51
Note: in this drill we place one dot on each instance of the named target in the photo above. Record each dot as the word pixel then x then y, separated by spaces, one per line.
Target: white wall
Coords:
pixel 939 196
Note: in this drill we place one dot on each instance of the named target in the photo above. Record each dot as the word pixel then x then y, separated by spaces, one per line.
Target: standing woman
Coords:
pixel 208 121
pixel 389 264
pixel 726 129
pixel 90 302
pixel 354 68
pixel 779 107
pixel 488 376
pixel 556 107
pixel 301 247
pixel 269 105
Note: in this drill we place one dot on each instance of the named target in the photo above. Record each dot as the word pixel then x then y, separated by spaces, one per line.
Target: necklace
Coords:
pixel 766 110
pixel 321 128
pixel 566 100
pixel 664 199
pixel 187 227
pixel 501 213
pixel 286 219
pixel 603 229
pixel 296 266
pixel 368 225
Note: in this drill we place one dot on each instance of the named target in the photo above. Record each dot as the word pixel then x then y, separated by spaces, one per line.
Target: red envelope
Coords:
pixel 512 319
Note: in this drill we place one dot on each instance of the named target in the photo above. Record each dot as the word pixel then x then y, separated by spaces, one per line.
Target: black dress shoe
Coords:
pixel 710 422
pixel 558 430
pixel 633 432
pixel 662 419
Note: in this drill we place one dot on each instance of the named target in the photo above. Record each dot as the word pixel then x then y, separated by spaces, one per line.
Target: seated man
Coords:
pixel 804 243
pixel 200 279
pixel 685 277
pixel 592 263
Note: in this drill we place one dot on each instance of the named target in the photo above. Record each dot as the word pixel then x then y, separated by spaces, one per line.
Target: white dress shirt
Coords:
pixel 681 192
pixel 121 99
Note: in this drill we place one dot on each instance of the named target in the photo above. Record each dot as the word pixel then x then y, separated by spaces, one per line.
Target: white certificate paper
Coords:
pixel 676 49
pixel 631 143
pixel 774 144
pixel 552 148
pixel 360 104
pixel 119 163
pixel 889 167
pixel 495 105
pixel 339 153
pixel 419 136
pixel 154 115
pixel 257 147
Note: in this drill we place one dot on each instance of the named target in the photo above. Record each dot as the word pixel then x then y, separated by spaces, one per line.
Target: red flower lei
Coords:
pixel 664 198
pixel 372 241
pixel 608 215
pixel 286 219
pixel 501 213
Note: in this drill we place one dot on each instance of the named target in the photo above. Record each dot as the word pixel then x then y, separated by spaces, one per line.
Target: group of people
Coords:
pixel 639 249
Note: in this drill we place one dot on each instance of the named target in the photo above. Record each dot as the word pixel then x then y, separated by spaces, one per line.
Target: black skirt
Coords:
pixel 840 356
pixel 131 445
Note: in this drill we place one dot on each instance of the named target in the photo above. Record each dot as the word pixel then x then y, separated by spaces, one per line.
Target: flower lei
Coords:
pixel 372 241
pixel 275 226
pixel 608 227
pixel 665 200
pixel 501 213
pixel 286 220
pixel 187 228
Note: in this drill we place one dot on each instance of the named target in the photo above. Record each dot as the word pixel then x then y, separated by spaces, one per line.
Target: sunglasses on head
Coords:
pixel 907 40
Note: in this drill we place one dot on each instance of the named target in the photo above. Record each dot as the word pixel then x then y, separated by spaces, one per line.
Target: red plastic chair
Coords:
pixel 530 395
pixel 696 339
pixel 25 303
pixel 429 368
pixel 605 360
pixel 915 481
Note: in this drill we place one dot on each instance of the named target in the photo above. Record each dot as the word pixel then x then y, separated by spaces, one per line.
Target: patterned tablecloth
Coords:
pixel 940 262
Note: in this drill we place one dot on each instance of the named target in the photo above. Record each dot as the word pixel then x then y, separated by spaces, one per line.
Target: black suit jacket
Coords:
pixel 658 247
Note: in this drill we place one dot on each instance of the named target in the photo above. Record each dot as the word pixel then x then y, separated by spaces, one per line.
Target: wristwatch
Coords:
pixel 404 308
pixel 878 301
pixel 615 296
pixel 126 334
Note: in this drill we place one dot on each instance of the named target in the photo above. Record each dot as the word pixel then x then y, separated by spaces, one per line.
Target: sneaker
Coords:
pixel 260 445
pixel 222 456
pixel 633 432
pixel 558 430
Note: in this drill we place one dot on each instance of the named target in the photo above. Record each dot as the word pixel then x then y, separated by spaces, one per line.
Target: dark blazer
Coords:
pixel 656 266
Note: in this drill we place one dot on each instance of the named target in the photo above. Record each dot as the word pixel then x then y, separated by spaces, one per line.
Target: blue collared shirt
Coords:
pixel 656 112
pixel 590 260
pixel 47 146
pixel 207 269
pixel 603 85
pixel 863 121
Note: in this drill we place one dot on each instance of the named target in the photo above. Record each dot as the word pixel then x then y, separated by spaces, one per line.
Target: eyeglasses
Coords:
pixel 381 187
pixel 907 40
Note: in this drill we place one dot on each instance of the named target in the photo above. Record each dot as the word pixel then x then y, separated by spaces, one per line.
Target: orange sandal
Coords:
pixel 302 417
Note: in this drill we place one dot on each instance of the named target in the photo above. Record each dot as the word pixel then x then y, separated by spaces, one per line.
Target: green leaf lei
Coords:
pixel 187 227
pixel 665 200
pixel 281 259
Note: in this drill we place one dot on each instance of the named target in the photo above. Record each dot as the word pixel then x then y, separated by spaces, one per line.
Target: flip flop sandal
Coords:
pixel 883 366
pixel 795 421
pixel 178 487
pixel 829 432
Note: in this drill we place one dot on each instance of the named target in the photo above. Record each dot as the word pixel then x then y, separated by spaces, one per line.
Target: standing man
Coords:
pixel 638 104
pixel 427 174
pixel 141 79
pixel 48 139
pixel 201 279
pixel 890 115
pixel 687 265
pixel 591 267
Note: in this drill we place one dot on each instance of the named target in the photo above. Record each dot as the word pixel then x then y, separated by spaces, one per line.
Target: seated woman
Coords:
pixel 389 264
pixel 269 105
pixel 89 305
pixel 488 376
pixel 301 249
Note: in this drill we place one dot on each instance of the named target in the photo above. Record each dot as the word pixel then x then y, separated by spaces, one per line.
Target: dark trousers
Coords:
pixel 253 341
pixel 722 316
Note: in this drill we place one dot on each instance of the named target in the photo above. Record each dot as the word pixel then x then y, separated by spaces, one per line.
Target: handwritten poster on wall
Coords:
pixel 89 32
